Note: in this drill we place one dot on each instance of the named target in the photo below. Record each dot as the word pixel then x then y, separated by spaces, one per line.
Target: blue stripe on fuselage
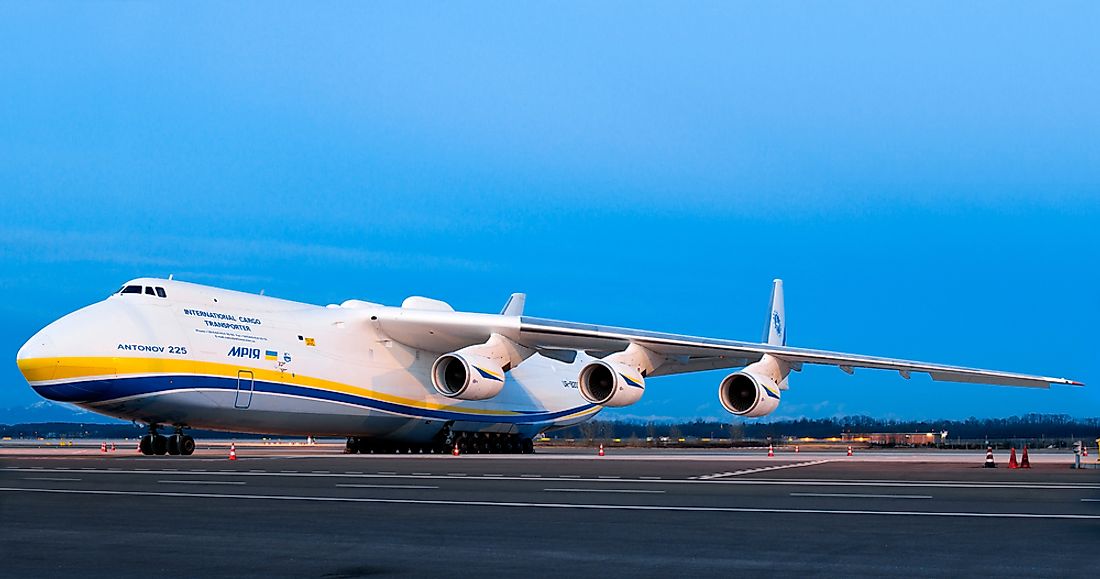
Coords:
pixel 94 391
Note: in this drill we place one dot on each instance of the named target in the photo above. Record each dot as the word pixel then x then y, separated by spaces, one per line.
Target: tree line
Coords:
pixel 1027 426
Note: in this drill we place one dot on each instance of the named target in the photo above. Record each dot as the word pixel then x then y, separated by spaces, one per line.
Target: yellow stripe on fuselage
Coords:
pixel 48 369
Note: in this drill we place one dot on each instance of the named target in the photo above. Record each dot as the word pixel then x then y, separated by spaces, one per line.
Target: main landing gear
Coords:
pixel 175 444
pixel 468 443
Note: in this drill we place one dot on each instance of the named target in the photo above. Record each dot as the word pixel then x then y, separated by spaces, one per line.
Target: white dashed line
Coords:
pixel 201 482
pixel 51 478
pixel 366 486
pixel 631 491
pixel 859 496
pixel 762 469
pixel 576 506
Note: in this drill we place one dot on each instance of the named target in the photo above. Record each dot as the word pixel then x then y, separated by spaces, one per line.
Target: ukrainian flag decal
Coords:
pixel 271 355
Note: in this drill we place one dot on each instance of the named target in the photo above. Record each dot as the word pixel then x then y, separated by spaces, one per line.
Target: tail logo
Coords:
pixel 778 323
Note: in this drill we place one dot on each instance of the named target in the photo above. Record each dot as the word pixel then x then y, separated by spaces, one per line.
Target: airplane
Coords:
pixel 421 377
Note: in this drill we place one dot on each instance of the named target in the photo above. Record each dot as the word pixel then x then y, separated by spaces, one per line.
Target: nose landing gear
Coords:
pixel 176 444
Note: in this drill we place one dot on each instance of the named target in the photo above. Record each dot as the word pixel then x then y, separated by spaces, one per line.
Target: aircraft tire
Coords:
pixel 528 446
pixel 160 444
pixel 173 446
pixel 146 445
pixel 187 445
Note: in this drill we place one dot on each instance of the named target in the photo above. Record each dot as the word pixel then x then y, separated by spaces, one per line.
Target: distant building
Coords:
pixel 897 438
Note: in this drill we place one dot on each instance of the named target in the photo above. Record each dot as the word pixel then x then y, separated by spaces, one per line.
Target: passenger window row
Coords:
pixel 136 289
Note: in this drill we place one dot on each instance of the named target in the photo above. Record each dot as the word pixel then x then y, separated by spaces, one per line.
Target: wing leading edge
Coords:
pixel 691 354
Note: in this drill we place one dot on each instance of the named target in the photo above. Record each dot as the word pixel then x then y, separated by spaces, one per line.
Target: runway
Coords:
pixel 311 512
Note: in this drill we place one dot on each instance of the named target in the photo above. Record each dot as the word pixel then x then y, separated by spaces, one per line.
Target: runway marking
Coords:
pixel 722 481
pixel 859 496
pixel 353 472
pixel 602 476
pixel 577 506
pixel 456 474
pixel 492 474
pixel 422 474
pixel 52 478
pixel 320 472
pixel 650 477
pixel 530 476
pixel 388 472
pixel 364 486
pixel 761 469
pixel 1090 500
pixel 202 482
pixel 632 491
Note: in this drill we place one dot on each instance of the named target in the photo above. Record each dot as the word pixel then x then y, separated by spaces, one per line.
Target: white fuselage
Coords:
pixel 204 357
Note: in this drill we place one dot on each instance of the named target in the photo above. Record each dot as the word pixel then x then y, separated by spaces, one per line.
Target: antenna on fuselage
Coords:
pixel 261 291
pixel 170 276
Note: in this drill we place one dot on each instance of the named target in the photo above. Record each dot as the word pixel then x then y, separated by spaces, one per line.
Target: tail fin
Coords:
pixel 514 305
pixel 775 333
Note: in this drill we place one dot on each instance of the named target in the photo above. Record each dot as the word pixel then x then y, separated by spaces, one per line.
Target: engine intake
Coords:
pixel 467 376
pixel 754 391
pixel 610 384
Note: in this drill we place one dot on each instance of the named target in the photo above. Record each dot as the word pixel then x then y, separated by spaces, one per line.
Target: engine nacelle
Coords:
pixel 467 376
pixel 610 383
pixel 754 391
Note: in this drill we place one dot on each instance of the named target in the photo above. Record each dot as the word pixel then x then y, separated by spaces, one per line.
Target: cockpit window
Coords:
pixel 149 291
pixel 160 293
pixel 131 289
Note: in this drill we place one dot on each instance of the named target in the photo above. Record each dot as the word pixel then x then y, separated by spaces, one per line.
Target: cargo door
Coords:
pixel 245 384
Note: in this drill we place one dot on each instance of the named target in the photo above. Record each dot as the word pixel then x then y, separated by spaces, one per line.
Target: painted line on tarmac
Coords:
pixel 52 478
pixel 1090 500
pixel 202 482
pixel 859 496
pixel 633 491
pixel 718 475
pixel 575 478
pixel 363 486
pixel 576 506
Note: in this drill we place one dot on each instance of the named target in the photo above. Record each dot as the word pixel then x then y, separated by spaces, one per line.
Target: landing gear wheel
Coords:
pixel 186 445
pixel 146 445
pixel 174 444
pixel 160 444
pixel 528 446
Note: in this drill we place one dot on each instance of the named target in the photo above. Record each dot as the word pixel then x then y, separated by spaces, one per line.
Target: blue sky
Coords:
pixel 925 176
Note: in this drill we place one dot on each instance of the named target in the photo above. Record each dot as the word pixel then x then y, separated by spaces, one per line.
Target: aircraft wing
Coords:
pixel 690 354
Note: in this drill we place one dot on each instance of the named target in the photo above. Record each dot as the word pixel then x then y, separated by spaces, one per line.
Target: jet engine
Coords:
pixel 754 390
pixel 610 384
pixel 467 376
pixel 477 372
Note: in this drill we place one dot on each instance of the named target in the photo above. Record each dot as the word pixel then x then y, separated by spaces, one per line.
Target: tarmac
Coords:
pixel 311 511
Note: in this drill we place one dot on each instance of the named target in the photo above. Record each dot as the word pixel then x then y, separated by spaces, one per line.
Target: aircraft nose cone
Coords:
pixel 37 357
pixel 39 346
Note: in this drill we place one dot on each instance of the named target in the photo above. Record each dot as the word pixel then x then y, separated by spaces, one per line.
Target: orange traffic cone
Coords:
pixel 113 447
pixel 1012 459
pixel 770 452
pixel 796 449
pixel 989 463
pixel 1084 450
pixel 601 451
pixel 849 450
pixel 103 447
pixel 1024 463
pixel 139 447
pixel 455 451
pixel 232 451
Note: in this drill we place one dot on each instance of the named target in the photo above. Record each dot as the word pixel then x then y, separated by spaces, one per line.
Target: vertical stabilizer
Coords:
pixel 775 333
pixel 514 306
